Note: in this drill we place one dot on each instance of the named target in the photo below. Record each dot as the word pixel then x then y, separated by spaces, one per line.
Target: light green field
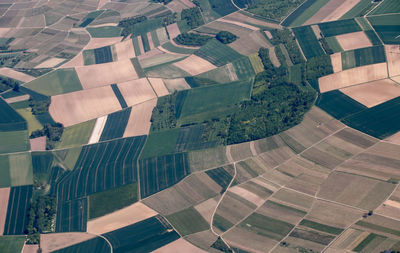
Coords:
pixel 188 221
pixel 159 60
pixel 334 44
pixel 207 158
pixel 33 123
pixel 21 172
pixel 104 31
pixel 15 141
pixel 111 200
pixel 11 244
pixel 307 14
pixel 68 156
pixel 360 9
pixel 160 143
pixel 256 63
pixel 5 180
pixel 348 60
pixel 88 57
pixel 56 82
pixel 224 74
pixel 166 71
pixel 76 135
pixel 364 24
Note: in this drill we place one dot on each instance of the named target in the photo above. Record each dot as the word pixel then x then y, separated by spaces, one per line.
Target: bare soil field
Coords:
pixel 373 93
pixel 250 43
pixel 17 99
pixel 125 49
pixel 173 30
pixel 102 42
pixel 139 119
pixel 121 218
pixel 98 129
pixel 80 106
pixel 336 60
pixel 389 208
pixel 16 75
pixel 246 240
pixel 176 6
pixel 194 65
pixel 395 139
pixel 159 86
pixel 396 79
pixel 316 31
pixel 38 144
pixel 150 39
pixel 136 91
pixel 4 195
pixel 30 248
pixel 248 195
pixel 273 57
pixel 206 208
pixel 98 75
pixel 203 239
pixel 54 241
pixel 237 16
pixel 393 59
pixel 331 11
pixel 350 41
pixel 141 47
pixel 353 76
pixel 152 53
pixel 50 63
pixel 179 246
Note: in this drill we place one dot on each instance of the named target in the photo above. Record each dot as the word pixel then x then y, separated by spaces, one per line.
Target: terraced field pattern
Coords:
pixel 199 126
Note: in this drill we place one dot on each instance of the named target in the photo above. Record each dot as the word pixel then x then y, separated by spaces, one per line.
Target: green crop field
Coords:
pixel 373 37
pixel 334 44
pixel 72 215
pixel 76 135
pixel 167 139
pixel 119 96
pixel 296 74
pixel 339 27
pixel 42 163
pixel 11 244
pixel 90 17
pixel 102 203
pixel 308 42
pixel 144 236
pixel 188 221
pixel 115 125
pixel 387 27
pixel 56 82
pixel 159 173
pixel 201 103
pixel 88 57
pixel 103 55
pixel 217 53
pixel 180 50
pixel 220 176
pixel 388 6
pixel 222 7
pixel 21 169
pixel 380 121
pixel 363 56
pixel 104 31
pixel 304 12
pixel 338 104
pixel 136 47
pixel 15 141
pixel 191 138
pixel 5 180
pixel 33 123
pixel 10 120
pixel 18 204
pixel 321 227
pixel 96 244
pixel 243 68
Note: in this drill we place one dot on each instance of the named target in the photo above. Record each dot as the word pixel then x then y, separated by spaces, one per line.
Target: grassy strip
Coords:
pixel 321 227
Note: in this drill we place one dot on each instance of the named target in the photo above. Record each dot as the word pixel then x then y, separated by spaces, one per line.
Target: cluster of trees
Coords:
pixel 162 1
pixel 319 66
pixel 163 116
pixel 192 17
pixel 8 83
pixel 128 24
pixel 192 39
pixel 226 37
pixel 53 133
pixel 273 9
pixel 286 38
pixel 41 217
pixel 326 46
pixel 39 106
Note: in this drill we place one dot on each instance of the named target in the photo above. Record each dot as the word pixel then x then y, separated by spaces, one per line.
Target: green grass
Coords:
pixel 104 31
pixel 5 180
pixel 11 244
pixel 166 71
pixel 387 27
pixel 338 104
pixel 388 6
pixel 56 82
pixel 15 141
pixel 256 63
pixel 308 42
pixel 217 53
pixel 321 227
pixel 339 27
pixel 348 60
pixel 365 242
pixel 221 223
pixel 136 47
pixel 206 102
pixel 378 228
pixel 334 44
pixel 21 172
pixel 109 201
pixel 33 123
pixel 180 50
pixel 188 221
pixel 75 135
pixel 364 24
pixel 359 10
pixel 160 143
pixel 295 74
pixel 309 12
pixel 266 226
pixel 69 156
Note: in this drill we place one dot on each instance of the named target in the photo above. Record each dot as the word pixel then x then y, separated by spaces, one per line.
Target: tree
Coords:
pixel 226 37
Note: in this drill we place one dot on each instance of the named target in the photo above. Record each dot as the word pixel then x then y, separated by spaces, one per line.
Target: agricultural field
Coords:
pixel 279 133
